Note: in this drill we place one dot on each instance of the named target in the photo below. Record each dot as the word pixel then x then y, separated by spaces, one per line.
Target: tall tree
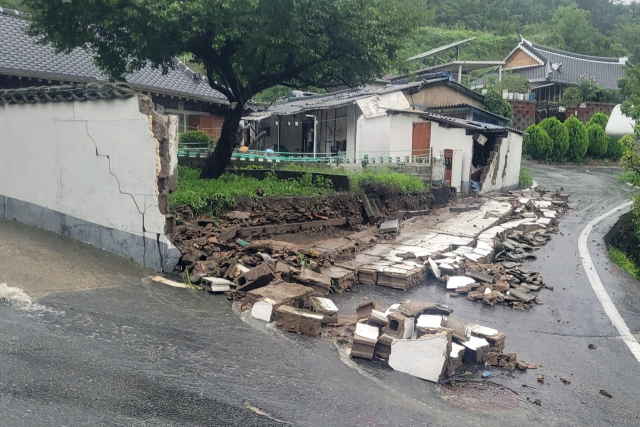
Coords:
pixel 245 46
pixel 573 27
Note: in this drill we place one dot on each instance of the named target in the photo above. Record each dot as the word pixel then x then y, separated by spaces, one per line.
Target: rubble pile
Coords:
pixel 421 339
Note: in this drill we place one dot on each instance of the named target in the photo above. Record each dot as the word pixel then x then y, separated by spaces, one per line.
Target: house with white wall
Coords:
pixel 384 125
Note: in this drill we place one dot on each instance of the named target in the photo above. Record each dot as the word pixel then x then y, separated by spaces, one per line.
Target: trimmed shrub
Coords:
pixel 578 139
pixel 196 136
pixel 598 141
pixel 614 149
pixel 559 135
pixel 599 119
pixel 494 103
pixel 537 143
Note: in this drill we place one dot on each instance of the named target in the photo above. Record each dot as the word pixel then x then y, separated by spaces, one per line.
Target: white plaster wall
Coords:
pixel 96 161
pixel 402 134
pixel 373 137
pixel 508 174
pixel 452 138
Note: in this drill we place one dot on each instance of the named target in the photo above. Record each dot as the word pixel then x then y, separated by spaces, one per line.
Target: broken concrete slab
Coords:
pixel 342 278
pixel 423 358
pixel 263 310
pixel 414 308
pixel 291 294
pixel 477 348
pixel 298 320
pixel 319 282
pixel 323 306
pixel 460 330
pixel 479 276
pixel 521 295
pixel 455 359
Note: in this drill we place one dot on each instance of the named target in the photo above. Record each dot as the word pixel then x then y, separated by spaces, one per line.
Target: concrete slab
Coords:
pixel 423 358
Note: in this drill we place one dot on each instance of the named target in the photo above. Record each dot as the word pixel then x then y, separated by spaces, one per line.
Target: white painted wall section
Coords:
pixel 504 171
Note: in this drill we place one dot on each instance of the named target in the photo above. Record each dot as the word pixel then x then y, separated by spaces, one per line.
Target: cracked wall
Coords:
pixel 504 164
pixel 96 171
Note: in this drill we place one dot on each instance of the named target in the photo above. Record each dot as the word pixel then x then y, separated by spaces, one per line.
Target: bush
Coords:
pixel 614 149
pixel 559 135
pixel 598 141
pixel 623 261
pixel 196 136
pixel 494 103
pixel 599 119
pixel 578 139
pixel 537 143
pixel 407 183
pixel 525 180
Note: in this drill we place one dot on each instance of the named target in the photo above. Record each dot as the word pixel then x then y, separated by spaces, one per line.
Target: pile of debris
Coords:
pixel 421 339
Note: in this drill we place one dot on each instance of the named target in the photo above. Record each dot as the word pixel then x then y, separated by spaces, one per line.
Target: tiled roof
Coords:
pixel 66 93
pixel 606 71
pixel 20 55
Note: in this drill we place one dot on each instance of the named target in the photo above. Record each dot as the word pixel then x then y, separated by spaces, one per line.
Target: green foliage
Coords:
pixel 630 160
pixel 557 131
pixel 402 182
pixel 213 196
pixel 630 176
pixel 578 139
pixel 196 136
pixel 588 90
pixel 494 103
pixel 614 149
pixel 537 143
pixel 14 4
pixel 623 261
pixel 525 180
pixel 598 141
pixel 600 119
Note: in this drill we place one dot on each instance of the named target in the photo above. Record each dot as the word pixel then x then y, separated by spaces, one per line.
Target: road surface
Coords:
pixel 100 346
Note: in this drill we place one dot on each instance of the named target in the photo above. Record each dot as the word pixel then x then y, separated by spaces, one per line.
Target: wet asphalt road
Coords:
pixel 144 354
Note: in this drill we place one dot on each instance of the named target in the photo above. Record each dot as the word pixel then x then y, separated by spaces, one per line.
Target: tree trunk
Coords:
pixel 216 163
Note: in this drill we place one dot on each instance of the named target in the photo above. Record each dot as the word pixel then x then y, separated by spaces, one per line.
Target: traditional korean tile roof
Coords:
pixel 66 93
pixel 21 55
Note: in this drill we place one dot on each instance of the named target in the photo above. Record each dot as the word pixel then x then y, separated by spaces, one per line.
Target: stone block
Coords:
pixel 255 278
pixel 383 346
pixel 365 339
pixel 298 320
pixel 399 325
pixel 423 358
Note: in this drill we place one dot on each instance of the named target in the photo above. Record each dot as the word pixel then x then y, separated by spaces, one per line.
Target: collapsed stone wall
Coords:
pixel 91 162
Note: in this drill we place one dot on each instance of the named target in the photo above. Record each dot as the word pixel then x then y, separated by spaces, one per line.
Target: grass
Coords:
pixel 408 183
pixel 630 177
pixel 525 180
pixel 621 259
pixel 214 195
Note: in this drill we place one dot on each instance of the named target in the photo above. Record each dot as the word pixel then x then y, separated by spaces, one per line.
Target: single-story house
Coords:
pixel 181 92
pixel 550 71
pixel 380 125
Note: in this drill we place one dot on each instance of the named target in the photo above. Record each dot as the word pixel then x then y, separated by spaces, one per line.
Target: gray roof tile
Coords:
pixel 20 55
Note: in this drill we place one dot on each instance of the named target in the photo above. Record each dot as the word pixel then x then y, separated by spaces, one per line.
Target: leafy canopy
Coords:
pixel 245 46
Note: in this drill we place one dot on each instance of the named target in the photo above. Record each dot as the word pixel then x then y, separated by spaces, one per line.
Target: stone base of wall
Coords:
pixel 151 250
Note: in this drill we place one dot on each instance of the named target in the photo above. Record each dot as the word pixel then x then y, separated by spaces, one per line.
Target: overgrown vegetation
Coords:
pixel 525 180
pixel 196 137
pixel 623 261
pixel 213 196
pixel 402 182
pixel 494 103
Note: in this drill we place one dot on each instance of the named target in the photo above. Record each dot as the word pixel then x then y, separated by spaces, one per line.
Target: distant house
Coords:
pixel 181 92
pixel 550 71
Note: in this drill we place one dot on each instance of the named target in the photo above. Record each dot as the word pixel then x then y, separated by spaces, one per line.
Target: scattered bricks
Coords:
pixel 255 278
pixel 491 357
pixel 455 359
pixel 363 311
pixel 228 233
pixel 507 360
pixel 429 324
pixel 479 276
pixel 397 278
pixel 377 319
pixel 474 296
pixel 320 283
pixel 365 339
pixel 501 287
pixel 476 349
pixel 341 277
pixel 399 325
pixel 423 358
pixel 263 310
pixel 463 290
pixel 383 346
pixel 391 226
pixel 298 320
pixel 368 275
pixel 291 294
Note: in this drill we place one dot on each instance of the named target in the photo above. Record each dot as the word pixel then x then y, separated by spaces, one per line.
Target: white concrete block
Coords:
pixel 423 358
pixel 483 330
pixel 429 321
pixel 457 350
pixel 367 331
pixel 475 343
pixel 263 310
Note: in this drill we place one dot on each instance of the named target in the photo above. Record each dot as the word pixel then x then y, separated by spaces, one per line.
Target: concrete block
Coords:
pixel 391 226
pixel 263 310
pixel 365 339
pixel 342 278
pixel 423 358
pixel 455 282
pixel 377 319
pixel 383 346
pixel 291 294
pixel 323 306
pixel 255 278
pixel 298 320
pixel 476 349
pixel 319 282
pixel 399 325
pixel 363 311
